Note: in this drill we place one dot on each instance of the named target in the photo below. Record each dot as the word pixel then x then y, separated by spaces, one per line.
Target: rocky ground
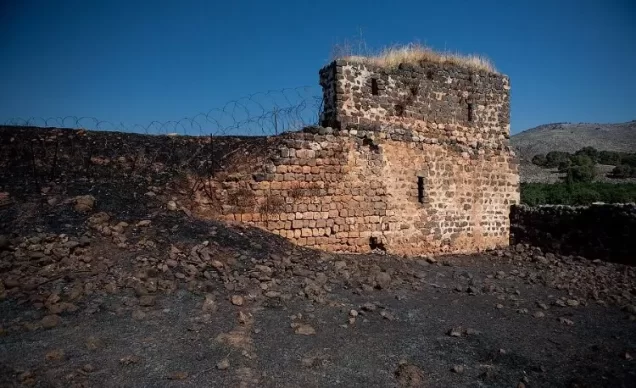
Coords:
pixel 106 280
pixel 106 299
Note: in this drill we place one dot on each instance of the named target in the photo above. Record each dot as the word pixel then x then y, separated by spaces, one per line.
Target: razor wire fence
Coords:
pixel 259 114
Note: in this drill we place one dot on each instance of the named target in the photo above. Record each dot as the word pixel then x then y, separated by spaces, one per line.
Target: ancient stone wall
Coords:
pixel 316 189
pixel 432 102
pixel 599 231
pixel 441 201
pixel 413 160
pixel 352 193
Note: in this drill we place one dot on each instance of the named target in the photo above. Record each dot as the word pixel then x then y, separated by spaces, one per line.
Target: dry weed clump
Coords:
pixel 393 56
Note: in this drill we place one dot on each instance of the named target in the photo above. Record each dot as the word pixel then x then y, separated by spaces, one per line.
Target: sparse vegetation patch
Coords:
pixel 413 53
pixel 581 165
pixel 577 193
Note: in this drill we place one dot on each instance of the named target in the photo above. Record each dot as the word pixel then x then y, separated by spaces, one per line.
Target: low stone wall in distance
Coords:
pixel 599 231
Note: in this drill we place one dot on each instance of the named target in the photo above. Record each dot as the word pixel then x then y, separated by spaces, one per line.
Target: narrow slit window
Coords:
pixel 420 189
pixel 470 112
pixel 374 87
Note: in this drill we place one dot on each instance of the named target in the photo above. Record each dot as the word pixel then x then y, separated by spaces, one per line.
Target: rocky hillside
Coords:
pixel 570 137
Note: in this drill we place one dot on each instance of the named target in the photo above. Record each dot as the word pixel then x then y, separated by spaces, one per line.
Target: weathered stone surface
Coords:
pixel 84 203
pixel 409 375
pixel 209 304
pixel 305 329
pixel 138 315
pixel 147 300
pixel 223 364
pixel 50 321
pixel 55 355
pixel 599 231
pixel 383 280
pixel 423 167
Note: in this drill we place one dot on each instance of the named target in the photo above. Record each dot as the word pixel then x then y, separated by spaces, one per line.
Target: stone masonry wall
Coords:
pixel 413 160
pixel 430 102
pixel 341 192
pixel 599 231
pixel 464 204
pixel 316 189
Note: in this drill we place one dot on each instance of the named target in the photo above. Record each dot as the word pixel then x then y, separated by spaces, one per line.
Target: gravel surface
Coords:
pixel 168 301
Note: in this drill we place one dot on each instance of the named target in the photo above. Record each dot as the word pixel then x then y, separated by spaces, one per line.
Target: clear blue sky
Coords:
pixel 138 61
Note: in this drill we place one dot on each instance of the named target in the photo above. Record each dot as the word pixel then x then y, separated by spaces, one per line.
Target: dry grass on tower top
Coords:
pixel 392 57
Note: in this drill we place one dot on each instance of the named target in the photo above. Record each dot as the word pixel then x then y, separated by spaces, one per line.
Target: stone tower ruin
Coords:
pixel 411 160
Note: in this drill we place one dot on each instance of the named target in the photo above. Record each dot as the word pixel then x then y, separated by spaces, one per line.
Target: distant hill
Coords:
pixel 569 137
pixel 572 137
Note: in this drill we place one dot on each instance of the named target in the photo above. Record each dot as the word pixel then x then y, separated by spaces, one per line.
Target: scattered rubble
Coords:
pixel 50 321
pixel 55 355
pixel 60 275
pixel 409 375
pixel 223 364
pixel 130 360
pixel 84 203
pixel 305 329
pixel 178 376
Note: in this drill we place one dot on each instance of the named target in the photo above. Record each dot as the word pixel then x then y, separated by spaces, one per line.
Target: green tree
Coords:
pixel 582 160
pixel 554 158
pixel 580 173
pixel 539 160
pixel 564 165
pixel 610 158
pixel 622 171
pixel 629 159
pixel 590 152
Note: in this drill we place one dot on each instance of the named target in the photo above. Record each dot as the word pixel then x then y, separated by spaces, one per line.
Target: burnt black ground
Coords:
pixel 177 337
pixel 365 354
pixel 176 342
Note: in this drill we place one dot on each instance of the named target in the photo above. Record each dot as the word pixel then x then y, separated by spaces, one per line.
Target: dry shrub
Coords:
pixel 412 53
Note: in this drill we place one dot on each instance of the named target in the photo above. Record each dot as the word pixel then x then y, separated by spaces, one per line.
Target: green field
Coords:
pixel 577 193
